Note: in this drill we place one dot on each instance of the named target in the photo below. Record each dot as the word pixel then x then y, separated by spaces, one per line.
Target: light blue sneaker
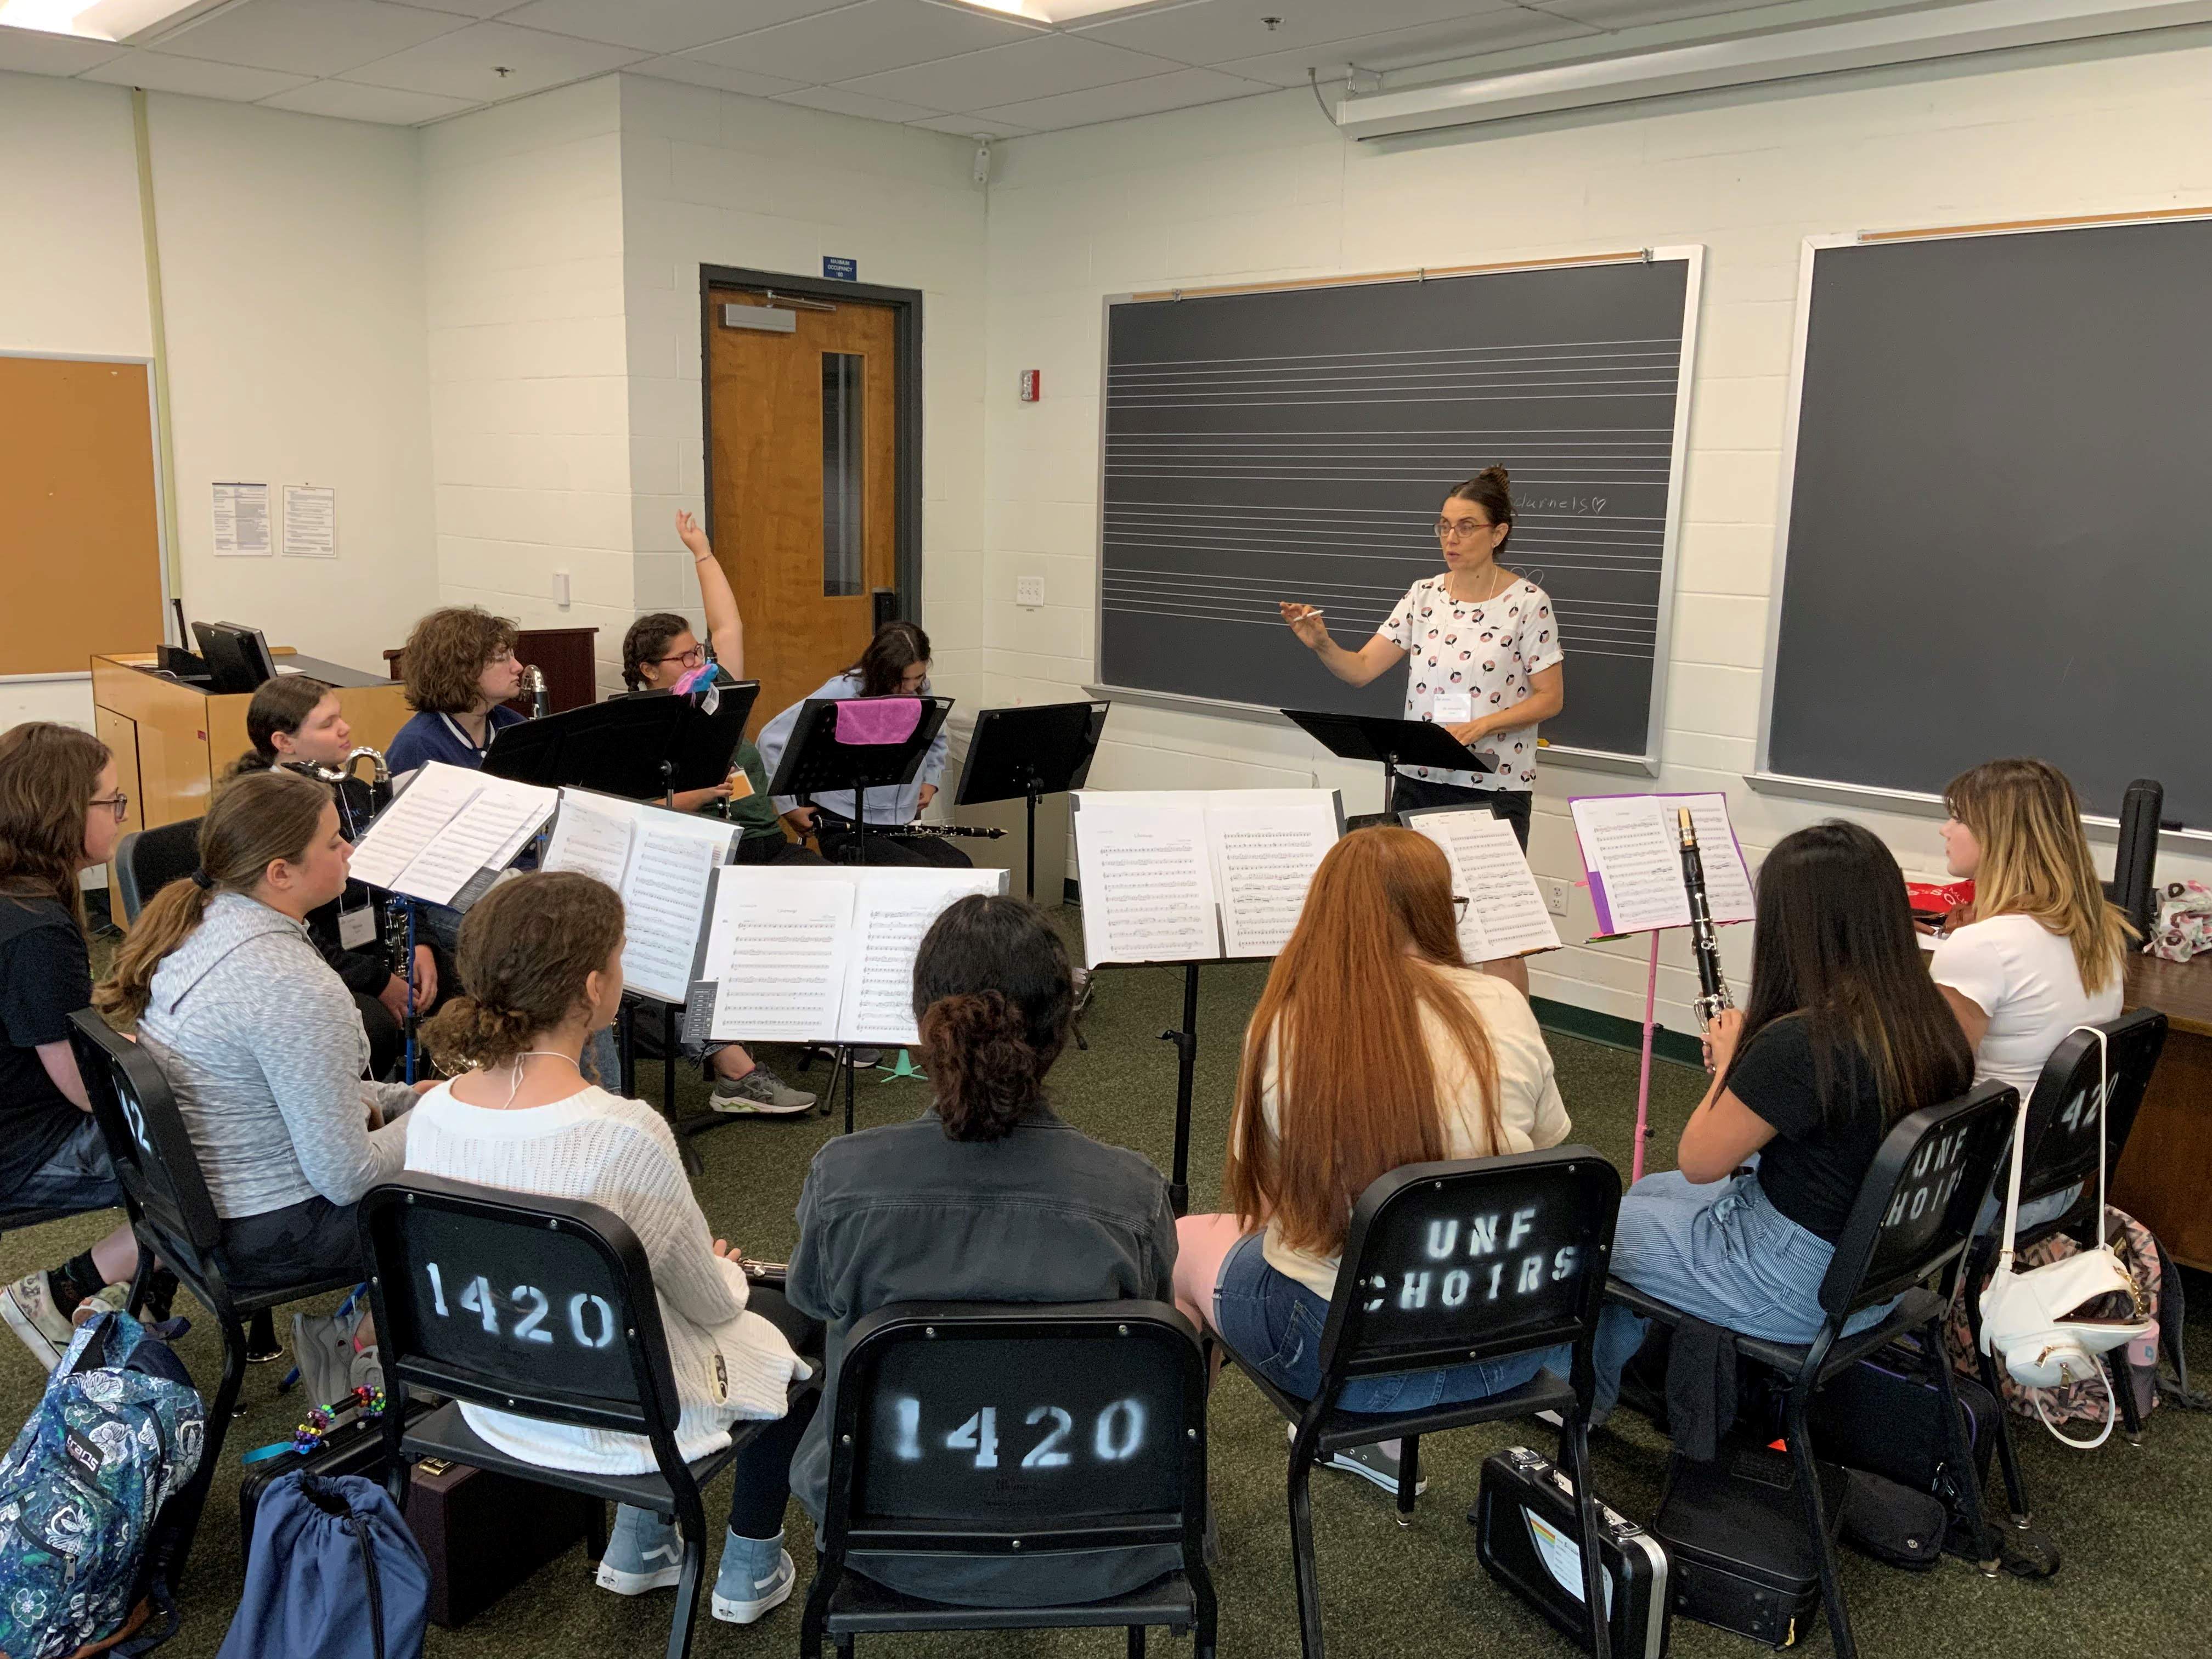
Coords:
pixel 755 1578
pixel 644 1552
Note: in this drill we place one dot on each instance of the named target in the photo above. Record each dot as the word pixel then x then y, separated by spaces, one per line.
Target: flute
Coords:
pixel 1704 945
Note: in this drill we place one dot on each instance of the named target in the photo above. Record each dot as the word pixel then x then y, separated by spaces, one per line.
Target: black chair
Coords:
pixel 972 1429
pixel 540 1306
pixel 2062 1152
pixel 1911 1220
pixel 173 1218
pixel 147 860
pixel 1446 1263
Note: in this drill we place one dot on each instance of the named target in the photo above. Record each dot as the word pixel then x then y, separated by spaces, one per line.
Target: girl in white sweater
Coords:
pixel 540 962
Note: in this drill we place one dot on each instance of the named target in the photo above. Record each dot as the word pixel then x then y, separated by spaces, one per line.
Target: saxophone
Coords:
pixel 1705 946
pixel 533 681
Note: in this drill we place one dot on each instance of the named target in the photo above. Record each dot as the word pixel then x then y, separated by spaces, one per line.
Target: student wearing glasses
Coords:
pixel 659 652
pixel 1485 664
pixel 460 670
pixel 60 813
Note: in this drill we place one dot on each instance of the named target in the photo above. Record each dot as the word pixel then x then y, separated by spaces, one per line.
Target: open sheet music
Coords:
pixel 1631 846
pixel 447 825
pixel 1197 875
pixel 825 954
pixel 1505 915
pixel 662 863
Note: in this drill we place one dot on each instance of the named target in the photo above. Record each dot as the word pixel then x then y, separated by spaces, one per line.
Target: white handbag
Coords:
pixel 2052 1323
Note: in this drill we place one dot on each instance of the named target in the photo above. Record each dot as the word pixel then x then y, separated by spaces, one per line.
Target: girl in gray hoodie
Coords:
pixel 259 1038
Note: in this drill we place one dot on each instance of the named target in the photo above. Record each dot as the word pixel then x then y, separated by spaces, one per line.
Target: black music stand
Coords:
pixel 705 739
pixel 1028 753
pixel 625 747
pixel 816 763
pixel 1393 742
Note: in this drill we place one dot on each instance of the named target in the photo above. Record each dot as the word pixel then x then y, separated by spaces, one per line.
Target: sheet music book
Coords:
pixel 447 825
pixel 1505 915
pixel 1632 848
pixel 824 954
pixel 662 863
pixel 1197 875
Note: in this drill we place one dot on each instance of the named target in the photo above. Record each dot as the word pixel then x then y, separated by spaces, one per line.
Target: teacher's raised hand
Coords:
pixel 1306 623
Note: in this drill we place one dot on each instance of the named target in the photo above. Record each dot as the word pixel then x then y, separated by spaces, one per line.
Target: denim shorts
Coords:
pixel 78 1177
pixel 1274 1323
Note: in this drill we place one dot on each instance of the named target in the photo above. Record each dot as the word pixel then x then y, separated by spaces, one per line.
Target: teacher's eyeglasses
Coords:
pixel 1459 906
pixel 1460 529
pixel 118 803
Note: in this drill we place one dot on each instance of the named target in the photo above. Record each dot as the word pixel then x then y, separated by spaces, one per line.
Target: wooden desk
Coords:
pixel 2165 1178
pixel 173 741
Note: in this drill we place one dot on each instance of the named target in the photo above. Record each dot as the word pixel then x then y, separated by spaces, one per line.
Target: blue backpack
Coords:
pixel 334 1573
pixel 117 1431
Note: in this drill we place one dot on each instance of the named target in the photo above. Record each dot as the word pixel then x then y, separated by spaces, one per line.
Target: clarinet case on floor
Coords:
pixel 484 1532
pixel 1733 1530
pixel 1527 1529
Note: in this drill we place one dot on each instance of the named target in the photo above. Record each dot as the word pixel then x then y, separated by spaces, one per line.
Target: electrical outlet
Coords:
pixel 1555 896
pixel 1029 590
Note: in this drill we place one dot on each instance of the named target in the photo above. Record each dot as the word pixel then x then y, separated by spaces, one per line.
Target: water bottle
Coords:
pixel 2142 1368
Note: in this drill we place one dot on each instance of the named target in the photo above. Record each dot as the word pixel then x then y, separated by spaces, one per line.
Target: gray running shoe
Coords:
pixel 759 1093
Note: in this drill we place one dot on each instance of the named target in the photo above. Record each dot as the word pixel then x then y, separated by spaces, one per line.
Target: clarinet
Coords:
pixel 533 681
pixel 973 832
pixel 1712 984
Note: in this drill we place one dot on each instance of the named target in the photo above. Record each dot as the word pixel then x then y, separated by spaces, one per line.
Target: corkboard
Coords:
pixel 80 545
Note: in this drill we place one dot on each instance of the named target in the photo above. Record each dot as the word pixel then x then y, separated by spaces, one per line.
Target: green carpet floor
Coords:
pixel 2131 1521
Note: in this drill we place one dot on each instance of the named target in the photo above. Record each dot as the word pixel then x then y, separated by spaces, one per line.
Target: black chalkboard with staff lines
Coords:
pixel 1296 444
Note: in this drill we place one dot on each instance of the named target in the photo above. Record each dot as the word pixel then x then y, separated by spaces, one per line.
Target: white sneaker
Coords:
pixel 27 1305
pixel 767 1594
pixel 639 1540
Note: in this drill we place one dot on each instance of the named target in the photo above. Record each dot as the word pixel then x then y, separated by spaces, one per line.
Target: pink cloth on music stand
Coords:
pixel 877 719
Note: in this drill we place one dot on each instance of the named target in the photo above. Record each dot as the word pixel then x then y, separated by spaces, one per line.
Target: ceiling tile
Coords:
pixel 459 8
pixel 464 64
pixel 158 72
pixel 972 126
pixel 1003 75
pixel 694 72
pixel 842 102
pixel 1633 13
pixel 865 39
pixel 309 37
pixel 1149 96
pixel 1219 30
pixel 661 26
pixel 34 52
pixel 1491 30
pixel 349 100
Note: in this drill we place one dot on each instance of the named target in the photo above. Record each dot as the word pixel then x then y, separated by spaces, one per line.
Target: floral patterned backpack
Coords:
pixel 118 1430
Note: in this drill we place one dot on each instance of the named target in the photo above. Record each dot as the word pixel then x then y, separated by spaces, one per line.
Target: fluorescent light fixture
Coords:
pixel 96 20
pixel 1062 12
pixel 1825 49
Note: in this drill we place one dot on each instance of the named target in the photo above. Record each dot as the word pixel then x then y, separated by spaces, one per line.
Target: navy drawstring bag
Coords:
pixel 334 1573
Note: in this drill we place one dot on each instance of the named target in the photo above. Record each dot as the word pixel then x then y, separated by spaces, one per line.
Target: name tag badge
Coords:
pixel 357 927
pixel 1455 708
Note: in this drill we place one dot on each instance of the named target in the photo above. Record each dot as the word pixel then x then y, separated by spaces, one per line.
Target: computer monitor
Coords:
pixel 236 655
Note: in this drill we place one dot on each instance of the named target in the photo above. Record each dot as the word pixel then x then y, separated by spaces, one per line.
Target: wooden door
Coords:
pixel 802 427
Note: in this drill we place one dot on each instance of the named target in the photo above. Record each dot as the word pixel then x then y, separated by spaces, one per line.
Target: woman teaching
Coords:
pixel 1487 663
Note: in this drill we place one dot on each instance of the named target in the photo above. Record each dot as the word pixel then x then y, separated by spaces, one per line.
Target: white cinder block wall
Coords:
pixel 714 178
pixel 1265 188
pixel 291 263
pixel 522 232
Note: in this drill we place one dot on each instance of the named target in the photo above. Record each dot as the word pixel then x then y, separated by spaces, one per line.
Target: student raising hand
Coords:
pixel 688 532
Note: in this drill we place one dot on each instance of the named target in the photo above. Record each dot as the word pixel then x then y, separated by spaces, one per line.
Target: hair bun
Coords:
pixel 1500 473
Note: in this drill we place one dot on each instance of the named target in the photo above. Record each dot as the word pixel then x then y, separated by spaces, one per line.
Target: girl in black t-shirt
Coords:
pixel 60 813
pixel 1845 1034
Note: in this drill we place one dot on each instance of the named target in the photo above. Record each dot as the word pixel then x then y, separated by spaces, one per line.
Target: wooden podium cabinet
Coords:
pixel 172 741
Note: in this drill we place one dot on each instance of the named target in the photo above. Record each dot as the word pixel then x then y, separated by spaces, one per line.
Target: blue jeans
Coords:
pixel 1274 1323
pixel 1721 1253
